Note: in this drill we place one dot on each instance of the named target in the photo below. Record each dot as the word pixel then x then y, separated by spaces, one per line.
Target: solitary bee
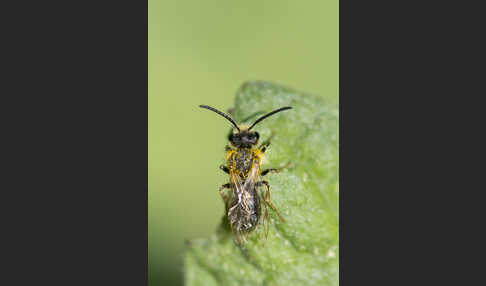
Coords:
pixel 244 166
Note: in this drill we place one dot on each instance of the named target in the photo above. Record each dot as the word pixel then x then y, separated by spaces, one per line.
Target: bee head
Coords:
pixel 243 137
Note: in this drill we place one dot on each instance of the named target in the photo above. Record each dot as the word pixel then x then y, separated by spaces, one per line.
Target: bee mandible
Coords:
pixel 244 165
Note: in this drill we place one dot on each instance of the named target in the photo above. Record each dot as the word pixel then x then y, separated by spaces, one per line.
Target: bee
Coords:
pixel 244 165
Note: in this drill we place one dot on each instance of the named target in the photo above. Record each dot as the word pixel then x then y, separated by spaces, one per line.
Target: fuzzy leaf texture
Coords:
pixel 304 250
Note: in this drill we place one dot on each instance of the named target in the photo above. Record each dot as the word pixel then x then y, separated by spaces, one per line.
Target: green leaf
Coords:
pixel 304 250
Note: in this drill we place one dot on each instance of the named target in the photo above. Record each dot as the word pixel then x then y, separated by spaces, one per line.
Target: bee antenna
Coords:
pixel 269 114
pixel 222 114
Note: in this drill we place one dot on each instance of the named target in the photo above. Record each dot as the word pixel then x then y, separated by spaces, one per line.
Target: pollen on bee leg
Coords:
pixel 229 154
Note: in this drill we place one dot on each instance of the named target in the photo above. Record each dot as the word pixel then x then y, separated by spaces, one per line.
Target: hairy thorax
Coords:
pixel 243 159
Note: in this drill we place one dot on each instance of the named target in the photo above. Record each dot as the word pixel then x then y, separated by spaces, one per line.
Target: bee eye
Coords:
pixel 257 135
pixel 234 138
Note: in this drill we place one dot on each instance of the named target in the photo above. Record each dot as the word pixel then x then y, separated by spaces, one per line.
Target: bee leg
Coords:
pixel 266 221
pixel 265 172
pixel 223 195
pixel 267 199
pixel 225 169
pixel 263 147
pixel 274 170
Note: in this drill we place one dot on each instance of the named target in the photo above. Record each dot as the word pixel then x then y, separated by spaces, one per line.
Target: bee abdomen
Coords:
pixel 244 217
pixel 242 222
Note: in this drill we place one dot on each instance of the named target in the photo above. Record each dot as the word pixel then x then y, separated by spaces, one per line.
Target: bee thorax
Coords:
pixel 243 160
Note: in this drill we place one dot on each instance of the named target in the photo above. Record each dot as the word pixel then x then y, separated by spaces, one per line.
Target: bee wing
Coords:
pixel 252 182
pixel 253 176
pixel 241 185
pixel 236 182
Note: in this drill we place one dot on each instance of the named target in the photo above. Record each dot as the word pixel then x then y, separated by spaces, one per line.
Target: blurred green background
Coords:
pixel 200 52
